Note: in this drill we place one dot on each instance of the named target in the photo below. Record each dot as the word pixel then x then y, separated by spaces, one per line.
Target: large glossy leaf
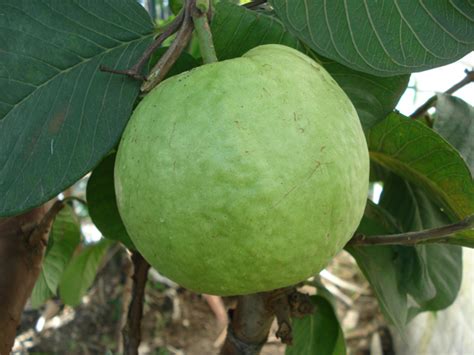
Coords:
pixel 421 156
pixel 59 114
pixel 81 271
pixel 319 333
pixel 103 204
pixel 385 37
pixel 236 30
pixel 63 240
pixel 455 122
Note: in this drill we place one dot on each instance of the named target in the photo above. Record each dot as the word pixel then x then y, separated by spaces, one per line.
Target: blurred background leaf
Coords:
pixel 454 120
pixel 81 272
pixel 63 240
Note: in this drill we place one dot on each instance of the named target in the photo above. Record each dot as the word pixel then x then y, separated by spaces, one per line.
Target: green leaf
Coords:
pixel 59 114
pixel 102 203
pixel 373 97
pixel 236 30
pixel 430 274
pixel 455 122
pixel 176 6
pixel 41 292
pixel 421 156
pixel 410 206
pixel 63 240
pixel 377 264
pixel 376 220
pixel 81 271
pixel 382 38
pixel 319 333
pixel 407 280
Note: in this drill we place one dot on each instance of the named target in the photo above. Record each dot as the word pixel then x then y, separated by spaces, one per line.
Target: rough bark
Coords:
pixel 23 241
pixel 252 319
pixel 249 327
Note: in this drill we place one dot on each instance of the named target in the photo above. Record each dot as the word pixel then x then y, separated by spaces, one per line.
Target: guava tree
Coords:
pixel 72 72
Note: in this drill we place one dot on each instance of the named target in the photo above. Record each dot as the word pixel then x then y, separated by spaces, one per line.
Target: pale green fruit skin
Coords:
pixel 244 175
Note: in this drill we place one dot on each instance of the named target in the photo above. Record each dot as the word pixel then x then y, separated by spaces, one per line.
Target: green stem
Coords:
pixel 203 32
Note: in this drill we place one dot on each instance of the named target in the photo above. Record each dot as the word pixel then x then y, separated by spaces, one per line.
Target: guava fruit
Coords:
pixel 244 175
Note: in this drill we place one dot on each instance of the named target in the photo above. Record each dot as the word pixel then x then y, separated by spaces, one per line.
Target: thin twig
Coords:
pixel 204 34
pixel 164 64
pixel 132 330
pixel 74 199
pixel 39 235
pixel 254 4
pixel 432 100
pixel 427 235
pixel 126 298
pixel 135 71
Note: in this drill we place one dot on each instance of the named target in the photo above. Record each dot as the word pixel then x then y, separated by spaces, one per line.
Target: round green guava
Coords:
pixel 245 175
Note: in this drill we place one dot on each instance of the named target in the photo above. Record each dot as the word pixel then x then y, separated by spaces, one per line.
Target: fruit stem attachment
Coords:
pixel 434 235
pixel 469 78
pixel 200 15
pixel 135 71
pixel 249 326
pixel 251 320
pixel 164 64
pixel 132 330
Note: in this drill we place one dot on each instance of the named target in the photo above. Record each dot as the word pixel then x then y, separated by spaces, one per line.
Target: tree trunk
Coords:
pixel 23 241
